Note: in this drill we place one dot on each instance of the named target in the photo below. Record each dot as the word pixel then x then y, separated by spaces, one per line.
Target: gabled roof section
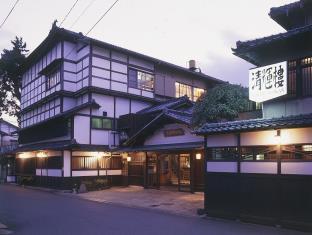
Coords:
pixel 57 34
pixel 68 113
pixel 8 123
pixel 167 115
pixel 252 49
pixel 291 15
pixel 169 104
pixel 255 124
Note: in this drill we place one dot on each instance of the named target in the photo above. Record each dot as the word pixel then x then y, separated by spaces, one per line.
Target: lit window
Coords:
pixel 192 92
pixel 141 80
pixel 102 123
pixel 183 89
pixel 197 92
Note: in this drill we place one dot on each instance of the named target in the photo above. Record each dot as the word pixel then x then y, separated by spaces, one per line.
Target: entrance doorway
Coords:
pixel 175 171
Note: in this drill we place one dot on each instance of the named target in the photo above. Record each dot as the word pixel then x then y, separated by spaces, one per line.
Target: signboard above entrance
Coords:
pixel 268 82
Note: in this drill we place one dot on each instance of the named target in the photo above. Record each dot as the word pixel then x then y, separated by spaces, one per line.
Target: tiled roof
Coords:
pixel 242 46
pixel 69 112
pixel 256 124
pixel 172 103
pixel 181 116
pixel 57 33
pixel 178 116
pixel 285 8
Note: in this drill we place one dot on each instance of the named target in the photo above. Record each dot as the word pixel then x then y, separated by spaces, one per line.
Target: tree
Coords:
pixel 10 78
pixel 223 102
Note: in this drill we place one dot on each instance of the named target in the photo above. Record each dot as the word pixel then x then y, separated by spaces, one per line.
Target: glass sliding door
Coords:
pixel 185 172
pixel 152 172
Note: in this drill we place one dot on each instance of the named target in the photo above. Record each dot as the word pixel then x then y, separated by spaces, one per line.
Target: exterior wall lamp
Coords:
pixel 42 154
pixel 198 156
pixel 278 137
pixel 128 159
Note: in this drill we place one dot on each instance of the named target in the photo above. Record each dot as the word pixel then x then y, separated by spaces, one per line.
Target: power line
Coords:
pixel 9 14
pixel 102 17
pixel 82 13
pixel 69 12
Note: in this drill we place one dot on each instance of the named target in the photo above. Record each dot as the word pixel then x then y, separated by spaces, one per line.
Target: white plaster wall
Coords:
pixel 158 136
pixel 288 136
pixel 226 167
pixel 223 140
pixel 68 103
pixel 287 107
pixel 100 137
pixel 81 129
pixel 296 168
pixel 85 173
pixel 259 167
pixel 122 106
pixel 110 172
pixel 66 163
pixel 107 104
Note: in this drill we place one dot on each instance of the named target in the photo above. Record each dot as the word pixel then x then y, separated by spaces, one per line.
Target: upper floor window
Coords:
pixel 53 79
pixel 192 92
pixel 141 80
pixel 300 77
pixel 101 123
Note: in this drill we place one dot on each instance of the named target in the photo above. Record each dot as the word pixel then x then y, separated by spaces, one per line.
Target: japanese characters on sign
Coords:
pixel 268 82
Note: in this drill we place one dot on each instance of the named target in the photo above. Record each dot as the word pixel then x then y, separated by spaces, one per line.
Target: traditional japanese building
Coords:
pixel 91 110
pixel 8 143
pixel 260 170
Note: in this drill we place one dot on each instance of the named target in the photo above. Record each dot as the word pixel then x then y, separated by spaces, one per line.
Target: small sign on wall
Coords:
pixel 173 132
pixel 268 82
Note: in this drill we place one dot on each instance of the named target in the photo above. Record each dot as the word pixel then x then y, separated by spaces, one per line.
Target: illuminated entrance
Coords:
pixel 179 171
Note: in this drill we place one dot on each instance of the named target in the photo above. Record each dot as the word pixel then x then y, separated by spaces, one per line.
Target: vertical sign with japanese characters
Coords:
pixel 268 82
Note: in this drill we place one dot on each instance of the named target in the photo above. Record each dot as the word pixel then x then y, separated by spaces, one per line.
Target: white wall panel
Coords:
pixel 55 172
pixel 296 168
pixel 101 73
pixel 100 137
pixel 158 137
pixel 138 105
pixel 122 68
pixel 119 86
pixel 84 173
pixel 110 172
pixel 122 106
pixel 226 167
pixel 287 136
pixel 102 83
pixel 106 103
pixel 81 129
pixel 99 62
pixel 259 167
pixel 66 163
pixel 148 94
pixel 222 140
pixel 119 77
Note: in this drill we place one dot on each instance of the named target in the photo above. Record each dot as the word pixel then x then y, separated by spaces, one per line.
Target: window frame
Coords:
pixel 102 119
pixel 136 84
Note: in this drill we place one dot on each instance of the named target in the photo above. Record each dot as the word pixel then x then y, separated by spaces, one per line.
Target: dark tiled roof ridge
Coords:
pixel 167 104
pixel 260 123
pixel 268 39
pixel 82 37
pixel 286 7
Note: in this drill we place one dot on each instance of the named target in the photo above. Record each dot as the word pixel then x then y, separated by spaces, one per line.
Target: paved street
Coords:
pixel 181 203
pixel 27 211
